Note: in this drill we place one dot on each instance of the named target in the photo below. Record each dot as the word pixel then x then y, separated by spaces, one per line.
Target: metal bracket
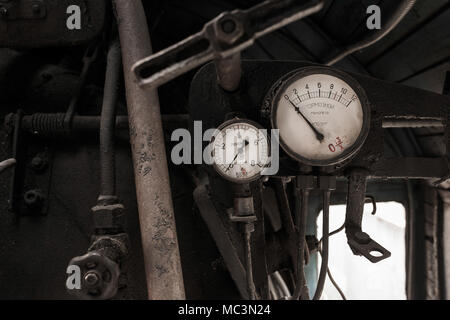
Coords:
pixel 221 38
pixel 359 241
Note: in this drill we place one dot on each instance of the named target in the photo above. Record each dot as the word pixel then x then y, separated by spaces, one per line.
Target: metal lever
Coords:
pixel 221 38
pixel 359 241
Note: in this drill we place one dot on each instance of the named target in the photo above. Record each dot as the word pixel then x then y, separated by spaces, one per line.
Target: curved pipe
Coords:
pixel 108 121
pixel 404 7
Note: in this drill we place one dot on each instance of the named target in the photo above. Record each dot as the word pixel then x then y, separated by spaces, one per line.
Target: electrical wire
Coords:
pixel 282 284
pixel 341 293
pixel 249 266
pixel 274 294
pixel 333 233
pixel 301 219
pixel 325 232
pixel 402 10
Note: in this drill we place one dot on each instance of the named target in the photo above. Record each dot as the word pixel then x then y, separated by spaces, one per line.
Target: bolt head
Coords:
pixel 36 8
pixel 91 278
pixel 362 237
pixel 3 12
pixel 228 25
pixel 37 162
pixel 228 29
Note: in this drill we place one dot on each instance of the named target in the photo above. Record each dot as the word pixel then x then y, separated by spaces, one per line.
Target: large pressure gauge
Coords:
pixel 323 116
pixel 240 150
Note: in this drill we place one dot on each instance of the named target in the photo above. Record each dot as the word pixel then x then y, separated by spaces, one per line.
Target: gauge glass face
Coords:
pixel 240 151
pixel 320 117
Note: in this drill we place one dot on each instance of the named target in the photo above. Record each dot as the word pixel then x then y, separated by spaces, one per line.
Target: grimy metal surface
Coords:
pixel 157 222
pixel 42 23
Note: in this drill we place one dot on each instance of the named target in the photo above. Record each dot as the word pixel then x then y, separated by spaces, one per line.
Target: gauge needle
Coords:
pixel 237 154
pixel 319 136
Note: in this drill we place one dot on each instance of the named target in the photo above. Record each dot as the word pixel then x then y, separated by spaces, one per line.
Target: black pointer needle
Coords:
pixel 319 136
pixel 235 157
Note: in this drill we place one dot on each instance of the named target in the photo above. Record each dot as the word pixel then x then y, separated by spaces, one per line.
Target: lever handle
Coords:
pixel 222 37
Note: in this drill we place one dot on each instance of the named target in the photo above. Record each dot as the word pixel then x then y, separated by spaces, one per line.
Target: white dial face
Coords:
pixel 319 117
pixel 240 151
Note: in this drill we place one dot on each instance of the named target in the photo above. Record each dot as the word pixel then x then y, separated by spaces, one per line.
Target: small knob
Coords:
pixel 99 277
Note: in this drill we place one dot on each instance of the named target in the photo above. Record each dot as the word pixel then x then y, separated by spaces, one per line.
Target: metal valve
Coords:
pixel 99 276
pixel 100 268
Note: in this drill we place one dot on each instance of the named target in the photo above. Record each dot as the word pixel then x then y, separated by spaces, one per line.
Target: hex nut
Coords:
pixel 108 216
pixel 228 29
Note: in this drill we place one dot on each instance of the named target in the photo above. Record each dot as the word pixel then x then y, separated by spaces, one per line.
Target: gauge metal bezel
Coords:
pixel 248 122
pixel 295 75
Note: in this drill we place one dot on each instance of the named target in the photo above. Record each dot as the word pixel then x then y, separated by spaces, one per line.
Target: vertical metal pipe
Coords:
pixel 158 231
pixel 108 121
pixel 229 72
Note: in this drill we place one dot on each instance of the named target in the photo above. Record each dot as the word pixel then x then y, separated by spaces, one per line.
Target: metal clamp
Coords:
pixel 359 241
pixel 221 38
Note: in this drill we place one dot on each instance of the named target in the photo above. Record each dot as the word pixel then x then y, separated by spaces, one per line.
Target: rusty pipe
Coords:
pixel 156 216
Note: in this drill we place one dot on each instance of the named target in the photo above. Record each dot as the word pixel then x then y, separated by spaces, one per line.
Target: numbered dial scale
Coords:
pixel 240 150
pixel 323 116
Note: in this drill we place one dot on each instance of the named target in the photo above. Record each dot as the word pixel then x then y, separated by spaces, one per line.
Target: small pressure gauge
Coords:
pixel 323 116
pixel 240 150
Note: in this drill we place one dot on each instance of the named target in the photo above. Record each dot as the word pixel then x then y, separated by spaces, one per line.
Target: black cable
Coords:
pixel 325 228
pixel 333 233
pixel 301 215
pixel 249 265
pixel 341 293
pixel 374 211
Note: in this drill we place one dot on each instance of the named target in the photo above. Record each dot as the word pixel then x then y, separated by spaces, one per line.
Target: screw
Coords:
pixel 36 8
pixel 3 12
pixel 38 163
pixel 91 278
pixel 228 26
pixel 34 199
